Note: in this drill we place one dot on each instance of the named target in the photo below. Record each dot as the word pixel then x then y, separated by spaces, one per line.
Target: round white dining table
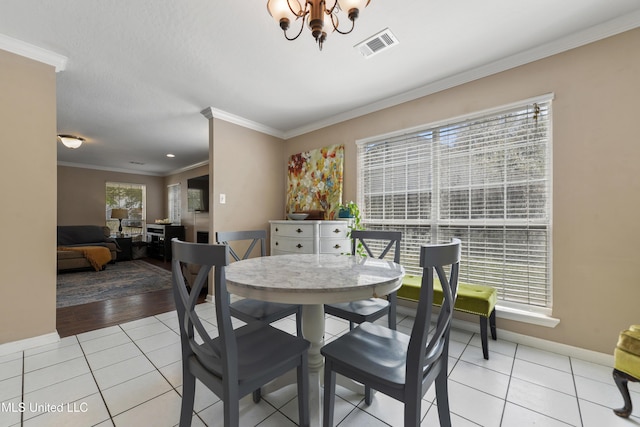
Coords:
pixel 313 280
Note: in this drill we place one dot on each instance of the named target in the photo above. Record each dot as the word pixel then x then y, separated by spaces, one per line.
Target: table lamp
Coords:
pixel 119 214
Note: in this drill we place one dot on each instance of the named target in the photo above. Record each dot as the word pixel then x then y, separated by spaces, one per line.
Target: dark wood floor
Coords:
pixel 88 317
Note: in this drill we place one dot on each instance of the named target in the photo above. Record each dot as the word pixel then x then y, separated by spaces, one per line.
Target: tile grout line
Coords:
pixel 506 396
pixel 156 368
pixel 575 388
pixel 95 381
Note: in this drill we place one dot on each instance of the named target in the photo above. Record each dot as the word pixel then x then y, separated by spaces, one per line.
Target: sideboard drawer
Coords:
pixel 335 246
pixel 292 246
pixel 334 230
pixel 292 230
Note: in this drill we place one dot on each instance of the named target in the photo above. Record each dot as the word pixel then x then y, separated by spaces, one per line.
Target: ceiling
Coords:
pixel 139 73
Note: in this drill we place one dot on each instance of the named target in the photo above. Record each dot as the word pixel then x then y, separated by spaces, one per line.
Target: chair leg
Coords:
pixel 303 392
pixel 483 337
pixel 412 410
pixel 492 324
pixel 329 395
pixel 188 395
pixel 299 322
pixel 368 398
pixel 442 396
pixel 392 311
pixel 621 380
pixel 231 410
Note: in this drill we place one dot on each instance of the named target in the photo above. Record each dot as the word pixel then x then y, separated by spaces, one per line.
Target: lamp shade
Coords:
pixel 280 9
pixel 71 141
pixel 119 213
pixel 347 5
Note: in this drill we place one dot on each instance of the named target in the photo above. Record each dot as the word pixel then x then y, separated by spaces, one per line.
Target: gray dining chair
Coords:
pixel 236 362
pixel 398 365
pixel 371 309
pixel 250 310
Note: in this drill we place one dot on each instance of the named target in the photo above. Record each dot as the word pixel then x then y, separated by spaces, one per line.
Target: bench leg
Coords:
pixel 492 324
pixel 483 336
pixel 621 380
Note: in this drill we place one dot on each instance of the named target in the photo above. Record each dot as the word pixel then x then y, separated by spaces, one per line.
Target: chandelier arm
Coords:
pixel 302 12
pixel 299 32
pixel 353 25
pixel 328 12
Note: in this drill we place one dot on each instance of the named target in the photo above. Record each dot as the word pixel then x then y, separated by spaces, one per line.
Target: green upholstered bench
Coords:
pixel 474 299
pixel 627 366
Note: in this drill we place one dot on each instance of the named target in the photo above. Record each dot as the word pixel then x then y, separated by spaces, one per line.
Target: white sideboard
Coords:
pixel 310 237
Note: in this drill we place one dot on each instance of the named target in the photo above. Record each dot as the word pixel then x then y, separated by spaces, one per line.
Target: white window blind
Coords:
pixel 485 179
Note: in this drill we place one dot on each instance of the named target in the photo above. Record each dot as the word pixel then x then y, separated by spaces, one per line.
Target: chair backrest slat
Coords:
pixel 424 347
pixel 206 257
pixel 255 236
pixel 365 237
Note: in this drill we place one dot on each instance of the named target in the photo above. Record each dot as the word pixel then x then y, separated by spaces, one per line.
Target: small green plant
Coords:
pixel 351 210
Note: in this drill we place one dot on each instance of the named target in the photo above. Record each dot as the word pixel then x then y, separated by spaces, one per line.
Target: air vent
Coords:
pixel 136 163
pixel 377 43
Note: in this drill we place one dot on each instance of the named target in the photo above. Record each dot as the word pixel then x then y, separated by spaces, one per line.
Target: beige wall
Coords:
pixel 188 219
pixel 247 167
pixel 28 188
pixel 596 190
pixel 596 183
pixel 81 194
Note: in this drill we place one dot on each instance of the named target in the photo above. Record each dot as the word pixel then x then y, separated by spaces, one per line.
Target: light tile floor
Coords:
pixel 130 375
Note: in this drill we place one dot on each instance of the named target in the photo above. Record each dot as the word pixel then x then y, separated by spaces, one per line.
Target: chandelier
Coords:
pixel 321 15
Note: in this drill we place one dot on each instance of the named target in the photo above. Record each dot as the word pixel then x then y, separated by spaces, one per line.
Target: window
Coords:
pixel 174 210
pixel 131 197
pixel 485 179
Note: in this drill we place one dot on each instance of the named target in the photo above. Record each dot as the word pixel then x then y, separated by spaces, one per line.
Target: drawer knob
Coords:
pixel 276 243
pixel 337 246
pixel 299 230
pixel 277 229
pixel 337 230
pixel 299 246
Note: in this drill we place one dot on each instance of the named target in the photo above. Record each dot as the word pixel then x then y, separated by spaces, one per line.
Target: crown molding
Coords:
pixel 36 53
pixel 581 38
pixel 134 172
pixel 211 113
pixel 187 168
pixel 104 168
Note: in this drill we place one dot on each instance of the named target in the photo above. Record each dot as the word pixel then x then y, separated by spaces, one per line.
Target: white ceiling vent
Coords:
pixel 377 43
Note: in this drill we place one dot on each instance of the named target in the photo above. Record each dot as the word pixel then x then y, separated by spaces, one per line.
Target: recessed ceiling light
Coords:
pixel 171 155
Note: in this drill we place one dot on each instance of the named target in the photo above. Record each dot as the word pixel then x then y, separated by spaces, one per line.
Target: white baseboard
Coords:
pixel 554 347
pixel 29 343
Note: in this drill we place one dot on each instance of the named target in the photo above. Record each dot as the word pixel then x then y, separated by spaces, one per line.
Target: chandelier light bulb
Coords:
pixel 352 7
pixel 284 11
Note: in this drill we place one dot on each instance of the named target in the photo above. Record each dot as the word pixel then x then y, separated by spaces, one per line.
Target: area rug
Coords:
pixel 117 280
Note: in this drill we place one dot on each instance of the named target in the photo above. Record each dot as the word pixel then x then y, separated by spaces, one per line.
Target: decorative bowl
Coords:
pixel 298 216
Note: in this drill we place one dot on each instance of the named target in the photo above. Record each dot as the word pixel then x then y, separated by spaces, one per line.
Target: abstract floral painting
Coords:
pixel 315 180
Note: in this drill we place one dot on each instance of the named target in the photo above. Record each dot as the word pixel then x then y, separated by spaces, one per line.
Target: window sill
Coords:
pixel 509 313
pixel 525 316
